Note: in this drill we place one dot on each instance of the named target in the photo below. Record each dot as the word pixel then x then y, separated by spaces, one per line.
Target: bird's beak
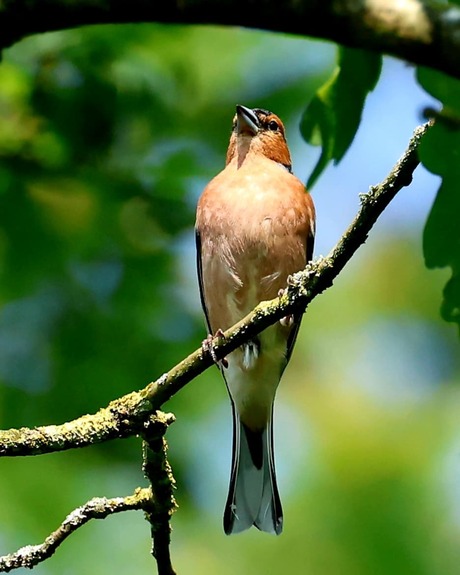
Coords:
pixel 246 121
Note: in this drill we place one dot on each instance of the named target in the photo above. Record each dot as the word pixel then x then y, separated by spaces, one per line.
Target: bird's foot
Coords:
pixel 288 320
pixel 207 345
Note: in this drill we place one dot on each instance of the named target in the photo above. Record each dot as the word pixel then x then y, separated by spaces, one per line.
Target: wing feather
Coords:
pixel 298 318
pixel 199 268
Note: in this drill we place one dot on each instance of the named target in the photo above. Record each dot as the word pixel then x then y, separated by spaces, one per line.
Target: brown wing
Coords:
pixel 298 318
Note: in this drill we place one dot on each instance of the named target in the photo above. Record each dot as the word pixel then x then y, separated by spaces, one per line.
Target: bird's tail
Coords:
pixel 253 494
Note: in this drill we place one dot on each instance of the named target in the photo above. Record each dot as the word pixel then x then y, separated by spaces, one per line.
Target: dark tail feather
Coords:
pixel 253 494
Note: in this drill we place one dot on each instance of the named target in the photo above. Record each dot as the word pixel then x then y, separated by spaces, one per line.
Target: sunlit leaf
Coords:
pixel 440 153
pixel 332 118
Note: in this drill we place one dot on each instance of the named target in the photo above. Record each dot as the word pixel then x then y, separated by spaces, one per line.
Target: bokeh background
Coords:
pixel 107 137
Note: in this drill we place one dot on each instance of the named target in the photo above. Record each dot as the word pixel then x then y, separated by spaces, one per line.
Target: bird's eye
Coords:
pixel 273 126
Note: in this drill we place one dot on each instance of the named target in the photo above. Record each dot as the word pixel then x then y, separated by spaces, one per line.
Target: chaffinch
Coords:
pixel 255 226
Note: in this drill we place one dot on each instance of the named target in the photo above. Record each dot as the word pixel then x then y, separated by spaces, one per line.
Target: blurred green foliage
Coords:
pixel 107 136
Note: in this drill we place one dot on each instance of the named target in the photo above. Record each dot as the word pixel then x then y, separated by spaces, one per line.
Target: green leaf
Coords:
pixel 332 118
pixel 440 153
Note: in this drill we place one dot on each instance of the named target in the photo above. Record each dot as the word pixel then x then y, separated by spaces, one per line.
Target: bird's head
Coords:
pixel 258 132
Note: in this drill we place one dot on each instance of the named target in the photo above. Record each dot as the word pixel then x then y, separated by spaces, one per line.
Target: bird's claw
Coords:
pixel 207 345
pixel 287 320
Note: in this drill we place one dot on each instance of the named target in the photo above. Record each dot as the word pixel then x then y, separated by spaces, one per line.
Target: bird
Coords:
pixel 255 226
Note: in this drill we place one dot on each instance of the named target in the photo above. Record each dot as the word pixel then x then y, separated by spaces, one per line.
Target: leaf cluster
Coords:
pixel 332 119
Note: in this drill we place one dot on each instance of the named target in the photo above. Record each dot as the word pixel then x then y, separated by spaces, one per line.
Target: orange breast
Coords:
pixel 254 223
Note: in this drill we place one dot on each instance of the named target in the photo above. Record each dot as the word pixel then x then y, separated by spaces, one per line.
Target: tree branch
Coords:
pixel 96 508
pixel 128 415
pixel 123 417
pixel 158 471
pixel 424 32
pixel 157 501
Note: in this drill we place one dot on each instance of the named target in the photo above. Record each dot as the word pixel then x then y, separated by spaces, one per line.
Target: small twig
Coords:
pixel 97 508
pixel 163 504
pixel 126 416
